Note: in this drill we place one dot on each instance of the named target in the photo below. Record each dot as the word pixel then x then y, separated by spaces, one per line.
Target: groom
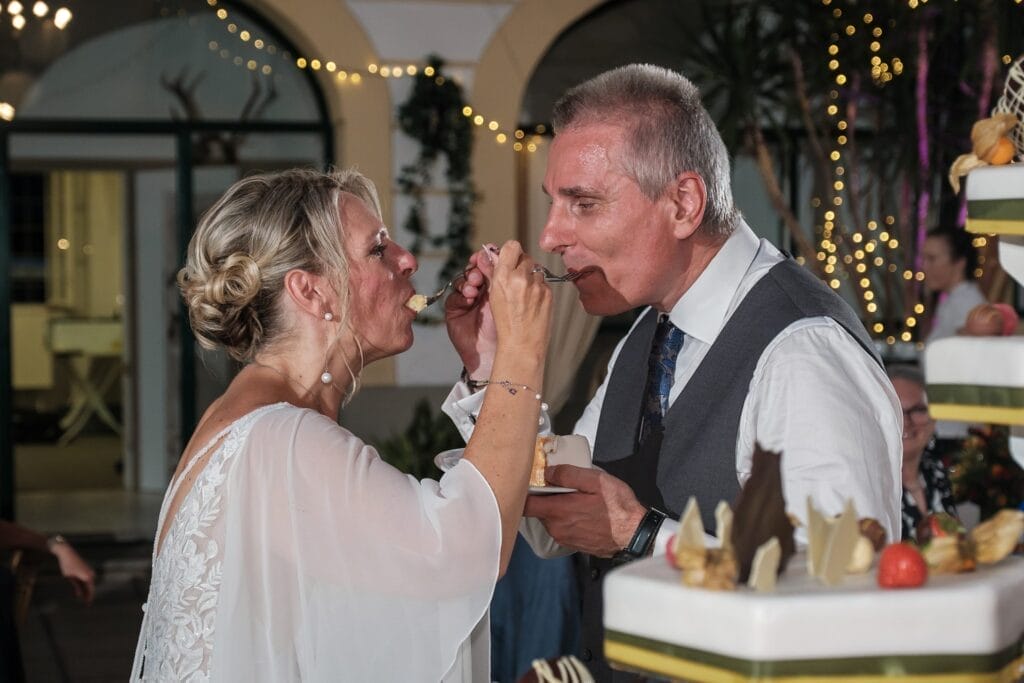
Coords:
pixel 735 345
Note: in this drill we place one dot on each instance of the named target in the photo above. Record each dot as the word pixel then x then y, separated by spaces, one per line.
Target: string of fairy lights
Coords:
pixel 521 139
pixel 19 18
pixel 873 246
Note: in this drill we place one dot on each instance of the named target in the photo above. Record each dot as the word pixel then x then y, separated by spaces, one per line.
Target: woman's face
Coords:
pixel 379 282
pixel 941 272
pixel 918 425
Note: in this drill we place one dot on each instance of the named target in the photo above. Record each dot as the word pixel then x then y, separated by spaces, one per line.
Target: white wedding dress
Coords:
pixel 300 555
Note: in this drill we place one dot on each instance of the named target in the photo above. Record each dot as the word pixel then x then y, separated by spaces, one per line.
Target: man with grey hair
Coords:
pixel 736 344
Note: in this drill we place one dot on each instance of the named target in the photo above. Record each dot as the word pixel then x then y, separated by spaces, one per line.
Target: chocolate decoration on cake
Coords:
pixel 873 531
pixel 760 513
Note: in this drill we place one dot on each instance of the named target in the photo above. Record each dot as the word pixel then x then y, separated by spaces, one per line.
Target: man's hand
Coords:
pixel 76 570
pixel 600 519
pixel 468 316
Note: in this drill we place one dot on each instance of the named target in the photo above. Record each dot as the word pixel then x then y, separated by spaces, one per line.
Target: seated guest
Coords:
pixel 286 548
pixel 72 567
pixel 926 487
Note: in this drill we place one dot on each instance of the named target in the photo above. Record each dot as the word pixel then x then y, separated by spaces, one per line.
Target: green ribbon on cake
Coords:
pixel 665 659
pixel 976 403
pixel 1002 216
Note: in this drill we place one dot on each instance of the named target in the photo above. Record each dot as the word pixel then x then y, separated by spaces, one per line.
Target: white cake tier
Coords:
pixel 976 379
pixel 965 627
pixel 995 199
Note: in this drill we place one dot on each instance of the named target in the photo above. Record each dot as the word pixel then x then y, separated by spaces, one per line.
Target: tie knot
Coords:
pixel 668 339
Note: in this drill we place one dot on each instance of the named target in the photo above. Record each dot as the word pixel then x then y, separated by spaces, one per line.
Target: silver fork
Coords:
pixel 448 285
pixel 548 277
pixel 551 277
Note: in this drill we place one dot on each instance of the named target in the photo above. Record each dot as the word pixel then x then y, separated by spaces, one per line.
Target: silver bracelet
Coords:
pixel 54 541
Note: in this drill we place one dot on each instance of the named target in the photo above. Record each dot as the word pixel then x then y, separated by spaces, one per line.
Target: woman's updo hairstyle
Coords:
pixel 263 227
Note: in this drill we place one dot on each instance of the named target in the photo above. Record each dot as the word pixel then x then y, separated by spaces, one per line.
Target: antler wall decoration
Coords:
pixel 212 147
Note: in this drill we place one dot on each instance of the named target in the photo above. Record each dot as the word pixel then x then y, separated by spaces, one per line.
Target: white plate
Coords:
pixel 445 460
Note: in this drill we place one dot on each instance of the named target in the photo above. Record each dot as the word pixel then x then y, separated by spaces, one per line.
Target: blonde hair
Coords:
pixel 263 227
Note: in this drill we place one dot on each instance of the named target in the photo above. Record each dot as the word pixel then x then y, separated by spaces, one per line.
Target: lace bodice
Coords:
pixel 299 555
pixel 178 627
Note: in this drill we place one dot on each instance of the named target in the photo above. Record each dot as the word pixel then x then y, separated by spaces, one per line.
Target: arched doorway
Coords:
pixel 126 124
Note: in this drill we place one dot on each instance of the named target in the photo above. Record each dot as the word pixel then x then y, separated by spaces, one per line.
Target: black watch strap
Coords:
pixel 643 539
pixel 473 384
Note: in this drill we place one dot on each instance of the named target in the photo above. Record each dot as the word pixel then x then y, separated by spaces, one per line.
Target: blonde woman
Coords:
pixel 286 549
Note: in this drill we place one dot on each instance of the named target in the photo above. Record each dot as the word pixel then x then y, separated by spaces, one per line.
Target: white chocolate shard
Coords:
pixel 817 538
pixel 831 543
pixel 723 524
pixel 691 530
pixel 765 567
pixel 842 540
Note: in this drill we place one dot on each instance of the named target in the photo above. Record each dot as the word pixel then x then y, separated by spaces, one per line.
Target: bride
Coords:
pixel 286 548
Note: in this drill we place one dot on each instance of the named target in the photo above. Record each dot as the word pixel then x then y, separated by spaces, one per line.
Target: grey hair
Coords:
pixel 669 132
pixel 909 373
pixel 261 228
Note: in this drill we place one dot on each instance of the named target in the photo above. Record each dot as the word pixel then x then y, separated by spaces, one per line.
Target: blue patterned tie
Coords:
pixel 661 367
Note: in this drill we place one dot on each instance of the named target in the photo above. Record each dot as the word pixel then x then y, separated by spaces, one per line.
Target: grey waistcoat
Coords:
pixel 695 454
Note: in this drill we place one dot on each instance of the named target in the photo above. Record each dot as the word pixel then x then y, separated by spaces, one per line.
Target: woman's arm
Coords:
pixel 14 536
pixel 502 444
pixel 72 567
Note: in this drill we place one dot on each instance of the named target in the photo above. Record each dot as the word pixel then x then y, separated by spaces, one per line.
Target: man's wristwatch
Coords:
pixel 54 541
pixel 643 539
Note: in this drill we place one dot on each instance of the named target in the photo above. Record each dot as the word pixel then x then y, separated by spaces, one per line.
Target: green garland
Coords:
pixel 433 116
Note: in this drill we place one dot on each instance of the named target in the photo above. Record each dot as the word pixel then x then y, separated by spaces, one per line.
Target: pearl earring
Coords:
pixel 327 377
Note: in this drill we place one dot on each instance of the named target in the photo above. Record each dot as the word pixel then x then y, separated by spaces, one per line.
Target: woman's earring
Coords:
pixel 327 377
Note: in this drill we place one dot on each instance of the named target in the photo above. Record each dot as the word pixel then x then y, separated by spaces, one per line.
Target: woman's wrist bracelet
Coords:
pixel 506 384
pixel 53 541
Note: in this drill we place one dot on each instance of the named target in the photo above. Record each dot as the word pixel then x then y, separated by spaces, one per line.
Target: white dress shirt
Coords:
pixel 815 396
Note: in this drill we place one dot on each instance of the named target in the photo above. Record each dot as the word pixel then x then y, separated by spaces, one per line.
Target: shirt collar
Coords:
pixel 702 309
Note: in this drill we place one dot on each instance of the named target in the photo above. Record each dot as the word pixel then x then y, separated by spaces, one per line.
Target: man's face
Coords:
pixel 605 227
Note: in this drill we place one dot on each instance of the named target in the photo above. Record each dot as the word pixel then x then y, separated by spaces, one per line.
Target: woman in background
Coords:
pixel 948 260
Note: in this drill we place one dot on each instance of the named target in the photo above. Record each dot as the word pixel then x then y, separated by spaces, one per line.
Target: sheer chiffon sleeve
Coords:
pixel 339 567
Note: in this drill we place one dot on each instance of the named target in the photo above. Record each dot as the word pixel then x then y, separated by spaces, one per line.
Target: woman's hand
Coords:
pixel 520 302
pixel 76 570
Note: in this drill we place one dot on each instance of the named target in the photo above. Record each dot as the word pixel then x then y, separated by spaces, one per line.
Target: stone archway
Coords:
pixel 499 83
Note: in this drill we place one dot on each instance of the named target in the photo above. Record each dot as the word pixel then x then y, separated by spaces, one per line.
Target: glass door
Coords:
pixel 93 244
